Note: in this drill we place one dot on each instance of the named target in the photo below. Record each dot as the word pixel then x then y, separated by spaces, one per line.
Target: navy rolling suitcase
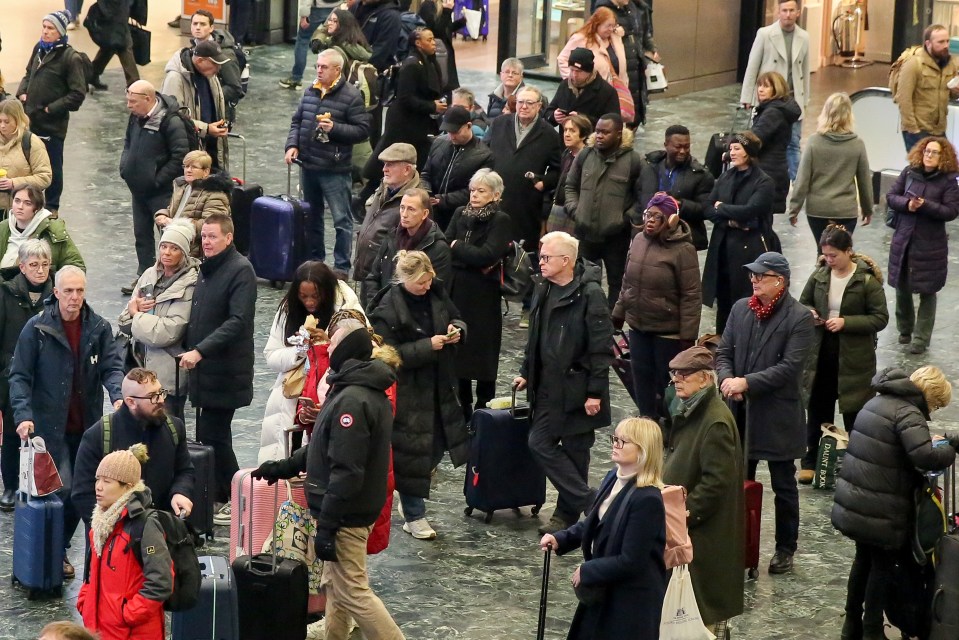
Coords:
pixel 272 592
pixel 38 545
pixel 278 242
pixel 216 614
pixel 501 472
pixel 241 204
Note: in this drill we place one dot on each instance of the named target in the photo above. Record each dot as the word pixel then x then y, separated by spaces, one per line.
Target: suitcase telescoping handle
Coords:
pixel 176 392
pixel 544 589
pixel 237 136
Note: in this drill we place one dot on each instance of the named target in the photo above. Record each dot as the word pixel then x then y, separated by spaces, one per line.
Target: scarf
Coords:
pixel 482 214
pixel 578 89
pixel 407 242
pixel 18 237
pixel 763 312
pixel 104 521
pixel 47 47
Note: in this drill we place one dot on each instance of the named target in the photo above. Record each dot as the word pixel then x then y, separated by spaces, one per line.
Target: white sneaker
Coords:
pixel 223 517
pixel 399 505
pixel 420 529
pixel 71 26
pixel 316 630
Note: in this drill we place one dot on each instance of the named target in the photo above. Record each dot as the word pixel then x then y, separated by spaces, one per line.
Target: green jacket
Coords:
pixel 53 231
pixel 864 310
pixel 703 454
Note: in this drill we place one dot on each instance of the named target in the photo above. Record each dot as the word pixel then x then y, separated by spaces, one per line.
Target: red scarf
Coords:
pixel 764 311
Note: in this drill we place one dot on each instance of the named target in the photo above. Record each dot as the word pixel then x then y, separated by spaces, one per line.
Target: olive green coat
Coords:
pixel 704 455
pixel 866 314
pixel 54 231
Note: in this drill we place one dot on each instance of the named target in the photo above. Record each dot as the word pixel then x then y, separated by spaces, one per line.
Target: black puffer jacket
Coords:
pixel 15 309
pixel 426 395
pixel 221 329
pixel 691 185
pixel 351 125
pixel 447 173
pixel 153 150
pixel 887 453
pixel 773 125
pixel 55 85
pixel 433 244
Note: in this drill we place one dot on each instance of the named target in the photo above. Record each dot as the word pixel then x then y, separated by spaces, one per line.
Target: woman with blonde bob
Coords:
pixel 424 326
pixel 30 169
pixel 888 453
pixel 833 171
pixel 622 582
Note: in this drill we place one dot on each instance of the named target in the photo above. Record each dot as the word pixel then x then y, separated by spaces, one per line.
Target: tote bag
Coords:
pixel 681 619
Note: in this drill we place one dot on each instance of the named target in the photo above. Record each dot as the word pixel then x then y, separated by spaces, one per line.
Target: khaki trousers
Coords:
pixel 348 593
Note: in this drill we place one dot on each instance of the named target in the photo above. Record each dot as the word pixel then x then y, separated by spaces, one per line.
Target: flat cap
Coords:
pixel 693 359
pixel 399 152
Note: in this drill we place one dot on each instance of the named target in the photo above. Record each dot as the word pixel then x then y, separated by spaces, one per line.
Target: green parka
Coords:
pixel 866 314
pixel 54 231
pixel 703 454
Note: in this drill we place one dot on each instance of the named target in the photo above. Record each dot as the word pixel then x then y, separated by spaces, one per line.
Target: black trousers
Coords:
pixel 783 479
pixel 144 227
pixel 214 428
pixel 125 56
pixel 818 225
pixel 867 591
pixel 611 254
pixel 10 451
pixel 649 356
pixel 822 400
pixel 485 391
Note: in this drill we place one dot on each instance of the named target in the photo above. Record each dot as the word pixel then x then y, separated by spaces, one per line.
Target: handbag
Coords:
pixel 655 77
pixel 679 546
pixel 141 44
pixel 294 532
pixel 930 522
pixel 132 358
pixel 627 106
pixel 294 380
pixel 560 220
pixel 38 472
pixel 103 34
pixel 516 273
pixel 832 449
pixel 681 619
pixel 892 216
pixel 474 19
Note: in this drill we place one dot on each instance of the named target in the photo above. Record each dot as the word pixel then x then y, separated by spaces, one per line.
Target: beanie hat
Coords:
pixel 356 345
pixel 581 58
pixel 180 233
pixel 664 202
pixel 124 465
pixel 60 20
pixel 749 144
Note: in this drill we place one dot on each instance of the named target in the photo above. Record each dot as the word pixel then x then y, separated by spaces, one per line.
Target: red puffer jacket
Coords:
pixel 122 600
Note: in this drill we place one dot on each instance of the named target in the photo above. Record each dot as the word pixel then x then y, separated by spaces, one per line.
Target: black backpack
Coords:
pixel 180 543
pixel 192 134
pixel 87 65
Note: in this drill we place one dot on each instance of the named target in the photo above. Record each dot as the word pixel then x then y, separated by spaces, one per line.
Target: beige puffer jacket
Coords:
pixel 36 171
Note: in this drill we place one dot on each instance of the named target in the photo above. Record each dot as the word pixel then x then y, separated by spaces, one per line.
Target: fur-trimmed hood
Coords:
pixel 625 143
pixel 213 182
pixel 388 355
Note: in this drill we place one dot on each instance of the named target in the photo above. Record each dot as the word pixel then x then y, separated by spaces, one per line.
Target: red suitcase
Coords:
pixel 753 511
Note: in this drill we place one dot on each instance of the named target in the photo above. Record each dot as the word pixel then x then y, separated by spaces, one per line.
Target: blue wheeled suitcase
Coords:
pixel 501 472
pixel 278 243
pixel 38 544
pixel 216 615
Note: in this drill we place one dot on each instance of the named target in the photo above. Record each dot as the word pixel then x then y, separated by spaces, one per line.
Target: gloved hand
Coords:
pixel 953 439
pixel 271 471
pixel 618 323
pixel 325 544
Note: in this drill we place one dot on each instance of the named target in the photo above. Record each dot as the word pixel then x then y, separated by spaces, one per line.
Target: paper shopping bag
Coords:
pixel 38 473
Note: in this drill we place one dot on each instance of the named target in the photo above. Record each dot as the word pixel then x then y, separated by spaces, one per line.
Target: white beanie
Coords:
pixel 180 233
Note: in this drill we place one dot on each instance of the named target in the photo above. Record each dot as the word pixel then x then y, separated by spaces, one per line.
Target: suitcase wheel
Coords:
pixel 276 284
pixel 31 594
pixel 517 512
pixel 488 518
pixel 753 573
pixel 535 510
pixel 468 511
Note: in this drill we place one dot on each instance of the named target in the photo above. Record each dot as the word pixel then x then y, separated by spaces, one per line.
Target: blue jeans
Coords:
pixel 74 7
pixel 54 147
pixel 317 17
pixel 793 150
pixel 334 188
pixel 910 139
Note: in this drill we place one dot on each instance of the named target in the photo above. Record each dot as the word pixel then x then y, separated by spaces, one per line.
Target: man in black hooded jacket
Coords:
pixel 346 466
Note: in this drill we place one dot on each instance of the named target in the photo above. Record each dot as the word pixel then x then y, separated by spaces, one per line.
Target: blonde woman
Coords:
pixel 604 37
pixel 24 161
pixel 833 171
pixel 623 539
pixel 888 453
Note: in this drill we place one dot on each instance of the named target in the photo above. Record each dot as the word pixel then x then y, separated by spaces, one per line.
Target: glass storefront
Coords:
pixel 542 28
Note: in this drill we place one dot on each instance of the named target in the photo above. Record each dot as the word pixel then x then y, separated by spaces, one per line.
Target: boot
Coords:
pixel 851 628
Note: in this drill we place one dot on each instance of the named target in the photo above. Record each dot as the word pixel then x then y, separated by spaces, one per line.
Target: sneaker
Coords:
pixel 782 562
pixel 223 517
pixel 290 83
pixel 8 500
pixel 555 523
pixel 420 529
pixel 806 476
pixel 316 630
pixel 68 571
pixel 399 506
pixel 128 289
pixel 524 319
pixel 71 26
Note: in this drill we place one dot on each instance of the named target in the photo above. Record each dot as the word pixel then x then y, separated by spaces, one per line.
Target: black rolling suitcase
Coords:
pixel 945 589
pixel 714 160
pixel 501 472
pixel 204 480
pixel 241 204
pixel 272 593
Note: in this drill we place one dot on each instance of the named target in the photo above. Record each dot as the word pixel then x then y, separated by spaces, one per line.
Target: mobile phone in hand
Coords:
pixel 455 332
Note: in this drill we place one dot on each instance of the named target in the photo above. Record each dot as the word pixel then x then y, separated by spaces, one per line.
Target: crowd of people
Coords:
pixel 399 338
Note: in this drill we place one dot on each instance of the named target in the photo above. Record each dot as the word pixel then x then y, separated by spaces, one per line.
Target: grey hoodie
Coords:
pixel 833 169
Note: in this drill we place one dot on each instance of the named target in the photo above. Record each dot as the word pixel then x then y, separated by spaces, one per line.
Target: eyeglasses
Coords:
pixel 758 277
pixel 653 215
pixel 510 72
pixel 526 103
pixel 545 258
pixel 135 93
pixel 619 443
pixel 931 152
pixel 678 375
pixel 157 397
pixel 38 266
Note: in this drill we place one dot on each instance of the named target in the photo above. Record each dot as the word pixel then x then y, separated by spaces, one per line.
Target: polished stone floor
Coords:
pixel 476 581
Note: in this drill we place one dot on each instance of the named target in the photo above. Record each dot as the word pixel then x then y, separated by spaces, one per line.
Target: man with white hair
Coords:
pixel 566 372
pixel 64 359
pixel 331 119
